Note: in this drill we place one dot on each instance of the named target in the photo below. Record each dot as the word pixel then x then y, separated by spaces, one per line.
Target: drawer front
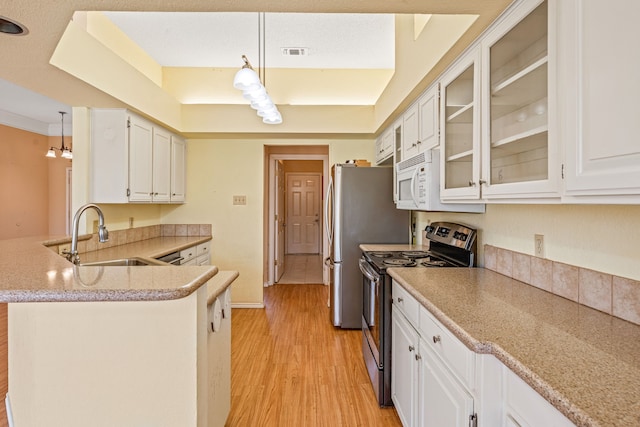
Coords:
pixel 407 304
pixel 188 254
pixel 455 355
pixel 203 248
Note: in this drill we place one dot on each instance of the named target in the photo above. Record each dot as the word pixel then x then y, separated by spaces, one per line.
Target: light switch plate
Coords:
pixel 239 200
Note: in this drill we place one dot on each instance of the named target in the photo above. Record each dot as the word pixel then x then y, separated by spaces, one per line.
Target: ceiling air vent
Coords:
pixel 295 51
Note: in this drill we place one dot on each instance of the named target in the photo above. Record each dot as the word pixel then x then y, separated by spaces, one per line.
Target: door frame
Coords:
pixel 271 247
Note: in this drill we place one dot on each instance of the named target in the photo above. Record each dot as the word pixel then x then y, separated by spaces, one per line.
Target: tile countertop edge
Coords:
pixel 555 398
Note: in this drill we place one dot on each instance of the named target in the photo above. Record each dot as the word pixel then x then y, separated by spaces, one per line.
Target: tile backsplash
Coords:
pixel 611 294
pixel 132 235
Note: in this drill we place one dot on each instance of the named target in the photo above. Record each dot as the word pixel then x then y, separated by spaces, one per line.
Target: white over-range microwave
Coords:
pixel 417 185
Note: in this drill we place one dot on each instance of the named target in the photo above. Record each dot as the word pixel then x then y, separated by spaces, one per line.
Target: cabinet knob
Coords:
pixel 418 142
pixel 418 357
pixel 482 181
pixel 411 348
pixel 414 145
pixel 472 184
pixel 400 299
pixel 436 339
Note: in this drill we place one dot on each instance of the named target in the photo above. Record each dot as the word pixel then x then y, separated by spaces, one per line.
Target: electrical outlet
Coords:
pixel 239 200
pixel 538 240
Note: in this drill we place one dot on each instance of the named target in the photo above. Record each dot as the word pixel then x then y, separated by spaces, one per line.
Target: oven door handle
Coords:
pixel 374 280
pixel 366 269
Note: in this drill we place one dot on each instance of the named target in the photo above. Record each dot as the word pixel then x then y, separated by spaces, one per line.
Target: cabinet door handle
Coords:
pixel 472 184
pixel 400 299
pixel 414 145
pixel 482 181
pixel 436 339
pixel 418 142
pixel 411 348
pixel 418 357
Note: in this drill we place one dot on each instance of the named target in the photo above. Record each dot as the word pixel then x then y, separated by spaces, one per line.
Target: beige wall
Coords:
pixel 32 194
pixel 600 237
pixel 219 169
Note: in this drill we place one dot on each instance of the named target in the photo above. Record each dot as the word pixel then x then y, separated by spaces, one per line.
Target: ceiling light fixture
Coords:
pixel 7 26
pixel 66 152
pixel 248 81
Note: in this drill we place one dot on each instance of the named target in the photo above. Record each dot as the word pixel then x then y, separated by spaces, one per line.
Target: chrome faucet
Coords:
pixel 103 233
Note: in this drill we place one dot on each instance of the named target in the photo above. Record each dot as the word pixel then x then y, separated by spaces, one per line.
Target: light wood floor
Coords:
pixel 291 367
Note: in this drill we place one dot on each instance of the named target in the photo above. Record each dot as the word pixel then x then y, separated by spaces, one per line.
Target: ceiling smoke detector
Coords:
pixel 295 51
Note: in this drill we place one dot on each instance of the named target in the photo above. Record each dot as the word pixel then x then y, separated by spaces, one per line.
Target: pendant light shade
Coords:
pixel 247 80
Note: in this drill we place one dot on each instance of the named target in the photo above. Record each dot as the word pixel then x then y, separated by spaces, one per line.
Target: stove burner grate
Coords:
pixel 415 254
pixel 381 254
pixel 434 263
pixel 400 262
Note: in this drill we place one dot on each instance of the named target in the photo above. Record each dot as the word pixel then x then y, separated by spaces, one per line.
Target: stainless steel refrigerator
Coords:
pixel 359 208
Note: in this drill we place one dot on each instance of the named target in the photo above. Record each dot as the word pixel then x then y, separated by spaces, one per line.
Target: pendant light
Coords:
pixel 249 82
pixel 64 150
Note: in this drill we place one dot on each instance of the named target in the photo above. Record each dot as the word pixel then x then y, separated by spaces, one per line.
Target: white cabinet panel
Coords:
pixel 443 401
pixel 140 160
pixel 178 169
pixel 410 140
pixel 404 345
pixel 603 65
pixel 161 165
pixel 428 118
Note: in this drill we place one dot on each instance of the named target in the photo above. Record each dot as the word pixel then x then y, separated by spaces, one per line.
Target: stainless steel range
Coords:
pixel 449 245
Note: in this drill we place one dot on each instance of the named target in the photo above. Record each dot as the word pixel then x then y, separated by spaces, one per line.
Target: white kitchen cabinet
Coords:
pixel 203 254
pixel 404 347
pixel 428 124
pixel 444 401
pixel 397 152
pixel 130 159
pixel 178 169
pixel 460 129
pixel 600 80
pixel 520 143
pixel 410 132
pixel 524 407
pixel 384 147
pixel 427 364
pixel 161 176
pixel 140 160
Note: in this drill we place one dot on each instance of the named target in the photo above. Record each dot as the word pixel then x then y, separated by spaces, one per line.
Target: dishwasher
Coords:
pixel 172 258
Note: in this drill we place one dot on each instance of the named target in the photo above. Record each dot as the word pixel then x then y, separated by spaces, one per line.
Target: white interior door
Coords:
pixel 303 213
pixel 280 223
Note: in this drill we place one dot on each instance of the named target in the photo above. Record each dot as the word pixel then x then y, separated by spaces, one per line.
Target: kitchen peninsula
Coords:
pixel 104 346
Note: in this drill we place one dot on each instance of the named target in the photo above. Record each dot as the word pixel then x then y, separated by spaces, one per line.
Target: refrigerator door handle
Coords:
pixel 327 219
pixel 328 262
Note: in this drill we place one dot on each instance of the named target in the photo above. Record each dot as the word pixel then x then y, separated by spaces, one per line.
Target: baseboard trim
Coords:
pixel 247 305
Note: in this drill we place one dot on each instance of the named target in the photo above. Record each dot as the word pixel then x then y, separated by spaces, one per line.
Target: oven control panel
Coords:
pixel 451 234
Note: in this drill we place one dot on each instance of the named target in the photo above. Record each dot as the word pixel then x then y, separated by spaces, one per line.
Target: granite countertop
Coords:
pixel 584 362
pixel 30 272
pixel 219 283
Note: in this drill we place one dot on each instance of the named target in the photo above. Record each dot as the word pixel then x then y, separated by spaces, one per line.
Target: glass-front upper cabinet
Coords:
pixel 460 129
pixel 519 157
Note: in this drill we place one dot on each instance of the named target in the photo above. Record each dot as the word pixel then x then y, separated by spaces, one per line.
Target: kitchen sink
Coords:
pixel 124 262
